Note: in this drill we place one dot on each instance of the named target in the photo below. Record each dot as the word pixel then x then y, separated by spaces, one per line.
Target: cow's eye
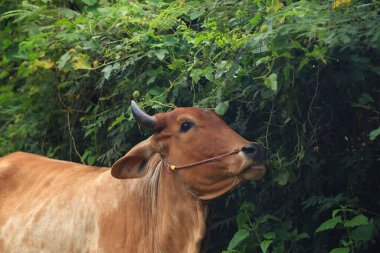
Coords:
pixel 185 126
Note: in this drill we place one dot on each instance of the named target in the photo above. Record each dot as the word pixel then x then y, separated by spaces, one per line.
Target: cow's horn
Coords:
pixel 142 118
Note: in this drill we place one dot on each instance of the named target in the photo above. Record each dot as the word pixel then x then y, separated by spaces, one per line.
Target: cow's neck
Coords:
pixel 182 223
pixel 170 217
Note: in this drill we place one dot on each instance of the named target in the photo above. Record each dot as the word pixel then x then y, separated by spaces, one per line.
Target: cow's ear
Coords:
pixel 135 163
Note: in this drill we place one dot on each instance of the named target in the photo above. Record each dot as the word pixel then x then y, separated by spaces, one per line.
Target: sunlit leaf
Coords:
pixel 81 62
pixel 116 122
pixel 264 245
pixel 208 73
pixel 239 236
pixel 63 60
pixel 107 71
pixel 196 14
pixel 374 133
pixel 196 75
pixel 329 224
pixel 161 53
pixel 222 108
pixel 270 235
pixel 177 64
pixel 271 82
pixel 47 64
pixel 356 221
pixel 340 250
pixel 282 177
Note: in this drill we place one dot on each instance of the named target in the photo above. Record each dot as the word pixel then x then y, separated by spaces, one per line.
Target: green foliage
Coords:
pixel 299 77
pixel 358 229
pixel 265 233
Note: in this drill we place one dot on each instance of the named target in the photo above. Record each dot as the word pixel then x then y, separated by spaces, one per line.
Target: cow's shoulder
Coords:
pixel 9 161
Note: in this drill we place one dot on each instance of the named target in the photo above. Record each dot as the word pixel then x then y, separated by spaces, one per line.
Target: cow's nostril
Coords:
pixel 250 149
pixel 254 151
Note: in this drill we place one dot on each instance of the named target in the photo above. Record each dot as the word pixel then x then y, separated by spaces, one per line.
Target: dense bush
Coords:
pixel 300 77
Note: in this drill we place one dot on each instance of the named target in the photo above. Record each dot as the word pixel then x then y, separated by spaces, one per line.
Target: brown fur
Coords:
pixel 49 205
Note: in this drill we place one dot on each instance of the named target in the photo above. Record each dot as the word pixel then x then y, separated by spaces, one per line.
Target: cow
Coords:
pixel 153 199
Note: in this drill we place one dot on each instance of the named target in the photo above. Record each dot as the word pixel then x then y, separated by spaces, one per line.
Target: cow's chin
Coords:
pixel 254 172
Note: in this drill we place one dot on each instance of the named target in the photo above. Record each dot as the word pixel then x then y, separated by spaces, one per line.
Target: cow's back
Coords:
pixel 41 198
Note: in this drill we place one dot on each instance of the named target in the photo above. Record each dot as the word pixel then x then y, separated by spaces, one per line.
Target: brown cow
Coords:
pixel 49 205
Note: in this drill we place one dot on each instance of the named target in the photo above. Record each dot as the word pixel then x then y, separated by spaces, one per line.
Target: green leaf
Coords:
pixel 177 64
pixel 271 82
pixel 63 60
pixel 336 211
pixel 365 99
pixel 239 236
pixel 282 177
pixel 196 74
pixel 374 133
pixel 247 207
pixel 157 91
pixel 116 66
pixel 375 69
pixel 287 120
pixel 265 218
pixel 303 62
pixel 363 232
pixel 253 22
pixel 329 224
pixel 286 71
pixel 107 71
pixel 161 54
pixel 222 108
pixel 88 157
pixel 208 73
pixel 318 53
pixel 281 43
pixel 90 2
pixel 242 220
pixel 340 250
pixel 356 221
pixel 270 235
pixel 4 74
pixel 221 68
pixel 302 236
pixel 196 14
pixel 266 94
pixel 81 62
pixel 265 59
pixel 91 160
pixel 264 245
pixel 117 121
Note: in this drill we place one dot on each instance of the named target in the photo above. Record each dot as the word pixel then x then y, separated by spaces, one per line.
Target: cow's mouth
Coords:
pixel 254 172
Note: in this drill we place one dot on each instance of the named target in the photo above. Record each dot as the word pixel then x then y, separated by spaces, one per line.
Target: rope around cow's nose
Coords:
pixel 174 168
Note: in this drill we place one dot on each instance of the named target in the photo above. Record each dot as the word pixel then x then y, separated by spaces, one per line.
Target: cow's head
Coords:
pixel 189 135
